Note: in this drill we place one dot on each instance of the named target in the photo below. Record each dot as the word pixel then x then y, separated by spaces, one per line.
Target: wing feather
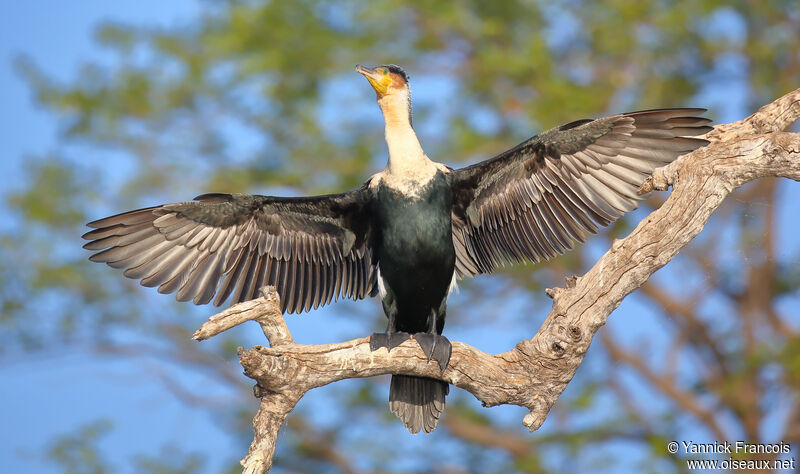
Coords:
pixel 222 246
pixel 537 199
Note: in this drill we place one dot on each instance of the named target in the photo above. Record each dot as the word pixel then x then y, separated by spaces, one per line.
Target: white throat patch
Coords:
pixel 408 180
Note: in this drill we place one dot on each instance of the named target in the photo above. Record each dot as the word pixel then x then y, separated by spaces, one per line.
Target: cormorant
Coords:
pixel 409 233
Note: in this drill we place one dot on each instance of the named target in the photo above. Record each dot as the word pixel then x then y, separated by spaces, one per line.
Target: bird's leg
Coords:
pixel 378 340
pixel 391 338
pixel 435 346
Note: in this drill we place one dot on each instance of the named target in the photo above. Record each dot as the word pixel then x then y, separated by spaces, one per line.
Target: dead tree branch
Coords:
pixel 537 370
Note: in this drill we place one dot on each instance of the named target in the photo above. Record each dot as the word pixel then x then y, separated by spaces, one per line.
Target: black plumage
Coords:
pixel 537 199
pixel 313 249
pixel 407 233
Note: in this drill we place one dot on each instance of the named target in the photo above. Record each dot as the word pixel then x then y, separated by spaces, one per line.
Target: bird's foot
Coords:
pixel 436 347
pixel 387 340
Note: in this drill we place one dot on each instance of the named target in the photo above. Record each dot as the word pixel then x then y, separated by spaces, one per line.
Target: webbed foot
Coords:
pixel 387 340
pixel 436 347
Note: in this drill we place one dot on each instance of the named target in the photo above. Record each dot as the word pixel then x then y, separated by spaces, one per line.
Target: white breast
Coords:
pixel 406 178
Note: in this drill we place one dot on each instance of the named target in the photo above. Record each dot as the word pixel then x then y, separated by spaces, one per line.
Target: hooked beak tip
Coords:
pixel 377 81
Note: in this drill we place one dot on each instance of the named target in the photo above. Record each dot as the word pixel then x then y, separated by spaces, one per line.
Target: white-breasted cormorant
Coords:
pixel 408 233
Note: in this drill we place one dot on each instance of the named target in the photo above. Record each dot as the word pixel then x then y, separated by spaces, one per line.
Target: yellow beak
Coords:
pixel 379 81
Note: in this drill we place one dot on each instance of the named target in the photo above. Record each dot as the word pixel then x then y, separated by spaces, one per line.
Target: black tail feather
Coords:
pixel 417 401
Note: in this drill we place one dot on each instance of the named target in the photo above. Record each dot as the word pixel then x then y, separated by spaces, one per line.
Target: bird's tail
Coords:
pixel 417 401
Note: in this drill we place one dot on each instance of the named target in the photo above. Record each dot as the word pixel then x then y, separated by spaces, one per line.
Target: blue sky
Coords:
pixel 51 396
pixel 54 395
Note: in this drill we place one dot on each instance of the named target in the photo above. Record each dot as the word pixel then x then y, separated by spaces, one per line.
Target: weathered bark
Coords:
pixel 537 370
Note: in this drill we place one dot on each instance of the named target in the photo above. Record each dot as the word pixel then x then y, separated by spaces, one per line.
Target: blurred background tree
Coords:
pixel 252 96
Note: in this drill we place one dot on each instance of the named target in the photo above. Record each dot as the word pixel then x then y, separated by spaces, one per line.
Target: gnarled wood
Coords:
pixel 537 370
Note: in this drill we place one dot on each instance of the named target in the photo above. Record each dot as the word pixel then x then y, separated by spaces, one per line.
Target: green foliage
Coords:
pixel 170 461
pixel 79 453
pixel 50 208
pixel 790 359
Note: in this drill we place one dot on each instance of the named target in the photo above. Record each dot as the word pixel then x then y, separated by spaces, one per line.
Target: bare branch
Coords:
pixel 266 424
pixel 537 370
pixel 776 116
pixel 266 310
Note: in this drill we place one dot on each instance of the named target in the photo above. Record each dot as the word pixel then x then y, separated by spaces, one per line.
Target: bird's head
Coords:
pixel 391 85
pixel 386 80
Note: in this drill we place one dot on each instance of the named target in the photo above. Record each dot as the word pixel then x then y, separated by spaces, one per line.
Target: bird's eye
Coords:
pixel 385 71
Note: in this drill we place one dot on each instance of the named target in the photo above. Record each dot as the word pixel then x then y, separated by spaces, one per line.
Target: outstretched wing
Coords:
pixel 535 200
pixel 313 249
